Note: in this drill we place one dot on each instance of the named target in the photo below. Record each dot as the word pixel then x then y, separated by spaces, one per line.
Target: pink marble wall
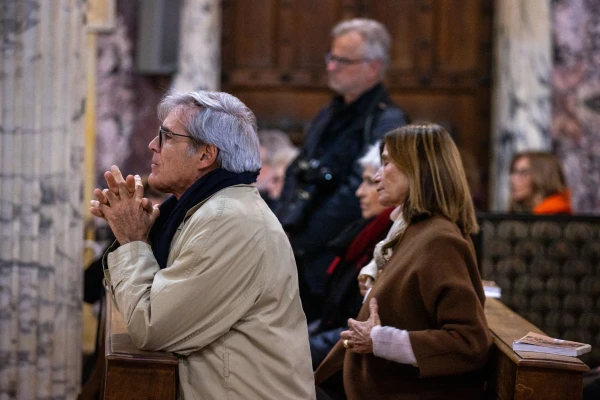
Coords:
pixel 576 98
pixel 126 101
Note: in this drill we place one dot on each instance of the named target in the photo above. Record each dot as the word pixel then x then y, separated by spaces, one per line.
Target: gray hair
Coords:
pixel 285 156
pixel 376 38
pixel 279 147
pixel 219 119
pixel 372 157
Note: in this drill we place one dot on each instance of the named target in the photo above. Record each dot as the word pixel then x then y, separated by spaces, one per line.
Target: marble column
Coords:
pixel 199 61
pixel 521 100
pixel 42 98
pixel 576 98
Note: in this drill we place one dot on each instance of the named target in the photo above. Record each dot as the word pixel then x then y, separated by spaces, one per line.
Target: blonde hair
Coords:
pixel 547 178
pixel 426 153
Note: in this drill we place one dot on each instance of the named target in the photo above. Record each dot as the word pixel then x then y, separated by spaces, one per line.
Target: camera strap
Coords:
pixel 376 106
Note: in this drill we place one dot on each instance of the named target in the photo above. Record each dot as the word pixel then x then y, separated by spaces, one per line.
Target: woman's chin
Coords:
pixel 386 203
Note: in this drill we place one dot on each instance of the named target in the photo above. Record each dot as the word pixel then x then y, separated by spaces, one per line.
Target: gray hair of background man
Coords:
pixel 278 145
pixel 372 157
pixel 376 37
pixel 219 119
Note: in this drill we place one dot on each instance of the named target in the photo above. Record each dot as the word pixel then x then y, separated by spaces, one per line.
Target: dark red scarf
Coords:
pixel 367 238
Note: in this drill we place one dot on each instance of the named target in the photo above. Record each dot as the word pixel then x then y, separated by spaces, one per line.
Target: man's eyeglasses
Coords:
pixel 343 60
pixel 168 134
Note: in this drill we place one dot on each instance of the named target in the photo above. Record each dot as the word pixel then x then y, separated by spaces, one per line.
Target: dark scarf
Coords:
pixel 359 249
pixel 172 211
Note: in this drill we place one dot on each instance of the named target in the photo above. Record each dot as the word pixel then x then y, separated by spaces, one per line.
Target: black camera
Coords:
pixel 314 178
pixel 314 172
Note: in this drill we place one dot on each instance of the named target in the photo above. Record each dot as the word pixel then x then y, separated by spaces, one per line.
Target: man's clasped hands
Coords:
pixel 123 205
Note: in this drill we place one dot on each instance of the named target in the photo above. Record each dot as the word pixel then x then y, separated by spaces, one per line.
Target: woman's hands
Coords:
pixel 358 338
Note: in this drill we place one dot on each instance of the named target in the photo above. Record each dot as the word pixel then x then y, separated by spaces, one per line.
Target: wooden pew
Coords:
pixel 527 375
pixel 136 374
pixel 132 373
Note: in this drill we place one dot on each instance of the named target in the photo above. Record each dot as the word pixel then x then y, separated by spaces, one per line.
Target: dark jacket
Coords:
pixel 335 140
pixel 430 287
pixel 353 249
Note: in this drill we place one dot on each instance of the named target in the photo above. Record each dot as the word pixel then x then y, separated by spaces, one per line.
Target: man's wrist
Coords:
pixel 127 240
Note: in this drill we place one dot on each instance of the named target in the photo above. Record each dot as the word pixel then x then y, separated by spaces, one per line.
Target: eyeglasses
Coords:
pixel 168 134
pixel 521 172
pixel 343 60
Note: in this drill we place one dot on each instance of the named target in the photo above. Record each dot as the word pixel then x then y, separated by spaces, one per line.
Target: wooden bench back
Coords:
pixel 132 373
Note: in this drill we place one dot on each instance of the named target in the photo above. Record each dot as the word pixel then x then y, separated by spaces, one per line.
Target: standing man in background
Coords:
pixel 318 200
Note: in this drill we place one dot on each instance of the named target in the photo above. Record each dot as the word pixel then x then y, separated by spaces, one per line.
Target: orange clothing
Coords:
pixel 559 203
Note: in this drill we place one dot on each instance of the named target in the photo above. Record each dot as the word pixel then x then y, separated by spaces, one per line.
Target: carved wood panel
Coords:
pixel 440 68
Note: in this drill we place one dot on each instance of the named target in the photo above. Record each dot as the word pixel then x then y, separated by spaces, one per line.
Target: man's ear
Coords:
pixel 208 155
pixel 374 68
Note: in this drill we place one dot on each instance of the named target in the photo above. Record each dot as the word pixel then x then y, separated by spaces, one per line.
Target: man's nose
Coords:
pixel 153 145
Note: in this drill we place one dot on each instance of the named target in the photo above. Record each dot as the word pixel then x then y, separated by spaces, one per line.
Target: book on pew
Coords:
pixel 545 344
pixel 491 289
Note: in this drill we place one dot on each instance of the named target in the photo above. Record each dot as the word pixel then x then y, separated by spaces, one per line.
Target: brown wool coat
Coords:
pixel 432 288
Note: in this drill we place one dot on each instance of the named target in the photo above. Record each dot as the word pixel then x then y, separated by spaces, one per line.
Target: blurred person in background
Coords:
pixel 317 201
pixel 353 249
pixel 276 154
pixel 538 185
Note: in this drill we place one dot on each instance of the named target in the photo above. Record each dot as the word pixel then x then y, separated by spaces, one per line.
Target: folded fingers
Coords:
pixel 147 205
pixel 95 209
pixel 138 187
pixel 114 178
pixel 100 197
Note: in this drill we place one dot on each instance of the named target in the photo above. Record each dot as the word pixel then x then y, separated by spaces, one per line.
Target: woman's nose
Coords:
pixel 359 190
pixel 377 176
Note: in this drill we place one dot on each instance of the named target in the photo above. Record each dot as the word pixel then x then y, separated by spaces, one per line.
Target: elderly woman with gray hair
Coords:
pixel 353 249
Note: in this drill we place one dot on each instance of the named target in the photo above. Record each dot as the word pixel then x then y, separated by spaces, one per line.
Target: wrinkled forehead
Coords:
pixel 521 161
pixel 348 44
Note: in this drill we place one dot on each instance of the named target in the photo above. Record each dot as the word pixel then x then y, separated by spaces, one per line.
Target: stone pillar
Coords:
pixel 199 61
pixel 576 98
pixel 42 98
pixel 521 99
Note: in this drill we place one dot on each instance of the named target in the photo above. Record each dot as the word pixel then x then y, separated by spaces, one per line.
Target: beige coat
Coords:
pixel 227 304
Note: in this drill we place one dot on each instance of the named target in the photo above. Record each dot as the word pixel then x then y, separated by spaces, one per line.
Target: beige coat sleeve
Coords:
pixel 212 282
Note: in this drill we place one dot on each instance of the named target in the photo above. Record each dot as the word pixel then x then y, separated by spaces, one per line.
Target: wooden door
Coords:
pixel 273 54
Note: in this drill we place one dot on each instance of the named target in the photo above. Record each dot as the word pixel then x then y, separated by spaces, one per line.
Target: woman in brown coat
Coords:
pixel 429 337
